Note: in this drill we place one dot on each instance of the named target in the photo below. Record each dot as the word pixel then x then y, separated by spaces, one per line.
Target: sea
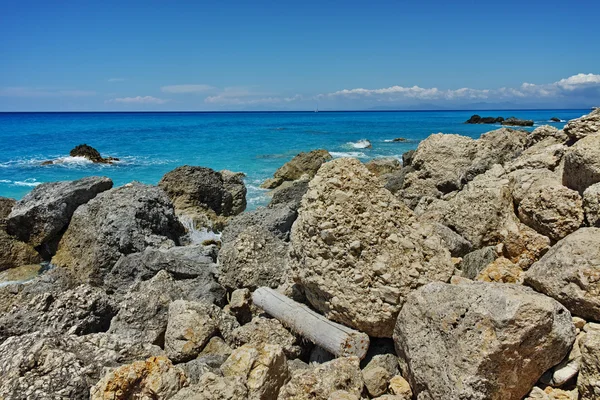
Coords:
pixel 149 144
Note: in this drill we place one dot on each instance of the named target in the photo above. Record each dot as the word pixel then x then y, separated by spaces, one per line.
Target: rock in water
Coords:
pixel 358 251
pixel 512 121
pixel 117 222
pixel 43 214
pixel 587 125
pixel 304 163
pixel 83 150
pixel 480 340
pixel 582 164
pixel 569 272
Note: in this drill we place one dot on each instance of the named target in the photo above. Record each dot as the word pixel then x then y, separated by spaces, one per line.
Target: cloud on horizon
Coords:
pixel 138 100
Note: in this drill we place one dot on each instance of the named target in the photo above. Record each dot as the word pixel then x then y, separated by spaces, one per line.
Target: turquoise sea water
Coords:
pixel 151 144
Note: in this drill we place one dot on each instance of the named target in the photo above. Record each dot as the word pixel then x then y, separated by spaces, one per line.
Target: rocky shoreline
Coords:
pixel 473 266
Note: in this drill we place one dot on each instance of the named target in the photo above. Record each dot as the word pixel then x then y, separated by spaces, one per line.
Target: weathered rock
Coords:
pixel 320 381
pixel 290 194
pixel 501 270
pixel 407 158
pixel 14 253
pixel 6 205
pixel 42 366
pixel 567 369
pixel 522 245
pixel 214 387
pixel 44 213
pixel 457 245
pixel 512 121
pixel 543 155
pixel 269 331
pixel 554 211
pixel 263 367
pixel 381 166
pixel 189 328
pixel 524 181
pixel 117 222
pixel 233 182
pixel 394 182
pixel 591 205
pixel 581 127
pixel 569 272
pixel 588 381
pixel 457 342
pixel 376 380
pixel 473 263
pixel 582 164
pixel 552 394
pixel 545 132
pixel 357 251
pixel 277 219
pixel 343 395
pixel 400 387
pixel 83 150
pixel 216 346
pixel 476 119
pixel 155 378
pixel 304 163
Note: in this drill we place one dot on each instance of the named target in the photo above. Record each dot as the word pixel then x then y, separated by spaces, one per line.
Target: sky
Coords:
pixel 283 55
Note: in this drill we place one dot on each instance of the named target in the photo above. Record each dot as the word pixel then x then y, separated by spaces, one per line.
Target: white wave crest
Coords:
pixel 355 154
pixel 198 236
pixel 361 144
pixel 27 182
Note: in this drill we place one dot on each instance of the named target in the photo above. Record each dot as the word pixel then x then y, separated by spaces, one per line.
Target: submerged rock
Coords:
pixel 303 163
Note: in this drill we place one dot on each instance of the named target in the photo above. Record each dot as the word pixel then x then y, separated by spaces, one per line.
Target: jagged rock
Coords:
pixel 376 380
pixel 581 127
pixel 214 387
pixel 588 381
pixel 6 205
pixel 233 182
pixel 77 311
pixel 591 205
pixel 501 270
pixel 357 251
pixel 568 273
pixel 155 378
pixel 455 341
pixel 320 381
pixel 476 119
pixel 552 394
pixel 240 305
pixel 407 158
pixel 382 166
pixel 182 262
pixel 543 155
pixel 522 245
pixel 473 263
pixel 44 213
pixel 289 194
pixel 14 253
pixel 216 346
pixel 457 245
pixel 263 367
pixel 568 367
pixel 545 132
pixel 83 150
pixel 524 181
pixel 270 331
pixel 582 164
pixel 394 182
pixel 552 210
pixel 512 121
pixel 189 328
pixel 45 366
pixel 194 369
pixel 277 219
pixel 304 163
pixel 116 222
pixel 400 387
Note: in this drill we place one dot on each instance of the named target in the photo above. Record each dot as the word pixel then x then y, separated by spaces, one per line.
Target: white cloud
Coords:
pixel 245 100
pixel 578 81
pixel 187 89
pixel 138 100
pixel 115 79
pixel 24 91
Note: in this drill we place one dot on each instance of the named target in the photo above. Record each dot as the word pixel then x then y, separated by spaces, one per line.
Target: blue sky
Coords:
pixel 278 55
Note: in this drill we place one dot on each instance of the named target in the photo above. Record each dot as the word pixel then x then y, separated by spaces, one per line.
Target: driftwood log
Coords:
pixel 335 338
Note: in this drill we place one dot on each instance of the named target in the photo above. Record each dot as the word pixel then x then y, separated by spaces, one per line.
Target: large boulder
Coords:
pixel 303 163
pixel 44 213
pixel 289 194
pixel 14 253
pixel 582 164
pixel 118 222
pixel 588 381
pixel 547 134
pixel 584 126
pixel 591 205
pixel 6 205
pixel 479 340
pixel 358 251
pixel 214 387
pixel 569 272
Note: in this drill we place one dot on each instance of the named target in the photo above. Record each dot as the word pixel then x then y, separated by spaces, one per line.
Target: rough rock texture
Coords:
pixel 155 378
pixel 501 270
pixel 545 154
pixel 43 214
pixel 233 183
pixel 545 132
pixel 523 181
pixel 189 328
pixel 381 166
pixel 522 245
pixel 304 163
pixel 14 253
pixel 41 366
pixel 552 394
pixel 581 127
pixel 588 381
pixel 263 367
pixel 376 380
pixel 290 194
pixel 214 387
pixel 582 164
pixel 456 341
pixel 457 245
pixel 320 381
pixel 357 251
pixel 6 205
pixel 277 219
pixel 567 369
pixel 117 222
pixel 591 205
pixel 83 150
pixel 270 331
pixel 569 273
pixel 400 387
pixel 473 263
pixel 554 211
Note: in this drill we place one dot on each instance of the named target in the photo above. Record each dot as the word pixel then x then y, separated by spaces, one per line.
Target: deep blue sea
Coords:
pixel 151 144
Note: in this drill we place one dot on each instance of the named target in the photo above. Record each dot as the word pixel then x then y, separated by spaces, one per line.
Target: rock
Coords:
pixel 233 182
pixel 343 395
pixel 214 387
pixel 524 181
pixel 189 328
pixel 277 219
pixel 400 387
pixel 381 166
pixel 320 381
pixel 473 263
pixel 568 272
pixel 582 164
pixel 456 342
pixel 216 346
pixel 555 119
pixel 585 126
pixel 394 182
pixel 476 119
pixel 240 305
pixel 44 213
pixel 591 205
pixel 554 211
pixel 268 331
pixel 501 270
pixel 117 222
pixel 14 253
pixel 568 368
pixel 589 372
pixel 376 380
pixel 544 132
pixel 155 378
pixel 407 158
pixel 457 245
pixel 543 155
pixel 263 367
pixel 552 394
pixel 194 369
pixel 289 194
pixel 522 245
pixel 304 163
pixel 400 139
pixel 6 206
pixel 357 251
pixel 46 366
pixel 387 361
pixel 83 150
pixel 512 121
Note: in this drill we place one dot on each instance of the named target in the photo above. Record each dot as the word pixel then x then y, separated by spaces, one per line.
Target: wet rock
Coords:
pixel 154 378
pixel 381 166
pixel 456 342
pixel 14 253
pixel 581 127
pixel 83 150
pixel 270 331
pixel 582 164
pixel 44 213
pixel 357 251
pixel 116 222
pixel 568 273
pixel 589 372
pixel 591 205
pixel 304 163
pixel 214 387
